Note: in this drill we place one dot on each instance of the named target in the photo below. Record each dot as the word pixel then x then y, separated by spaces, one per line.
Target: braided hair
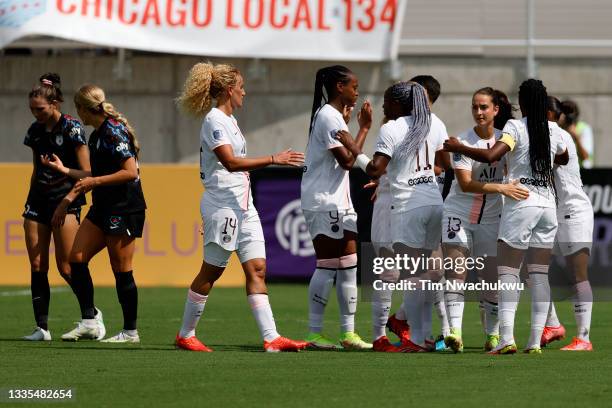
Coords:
pixel 534 104
pixel 327 78
pixel 413 99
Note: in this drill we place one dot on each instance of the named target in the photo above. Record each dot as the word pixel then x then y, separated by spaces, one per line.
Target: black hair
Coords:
pixel 327 78
pixel 431 85
pixel 554 106
pixel 534 103
pixel 571 111
pixel 499 99
pixel 49 87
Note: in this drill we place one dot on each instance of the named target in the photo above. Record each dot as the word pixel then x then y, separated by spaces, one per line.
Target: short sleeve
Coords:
pixel 442 136
pixel 75 132
pixel 213 135
pixel 116 141
pixel 462 162
pixel 384 143
pixel 28 140
pixel 331 127
pixel 560 146
pixel 510 135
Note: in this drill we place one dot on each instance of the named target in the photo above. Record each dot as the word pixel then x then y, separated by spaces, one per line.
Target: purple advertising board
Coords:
pixel 289 250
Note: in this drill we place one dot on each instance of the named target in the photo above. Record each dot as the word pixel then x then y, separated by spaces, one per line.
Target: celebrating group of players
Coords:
pixel 531 162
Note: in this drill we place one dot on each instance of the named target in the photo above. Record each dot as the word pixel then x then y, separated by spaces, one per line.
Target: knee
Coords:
pixel 257 270
pixel 39 265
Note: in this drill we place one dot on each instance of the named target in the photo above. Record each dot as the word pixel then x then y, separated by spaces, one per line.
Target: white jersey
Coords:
pixel 325 184
pixel 440 179
pixel 572 198
pixel 413 182
pixel 519 167
pixel 476 208
pixel 222 188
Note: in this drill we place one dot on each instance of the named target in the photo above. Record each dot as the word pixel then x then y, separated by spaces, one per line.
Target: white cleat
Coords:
pixel 39 335
pixel 82 332
pixel 122 337
pixel 101 327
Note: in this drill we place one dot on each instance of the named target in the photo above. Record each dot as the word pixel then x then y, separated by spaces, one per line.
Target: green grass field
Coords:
pixel 238 373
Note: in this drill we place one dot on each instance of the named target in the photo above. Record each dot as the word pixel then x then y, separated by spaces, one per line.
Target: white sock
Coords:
pixel 400 314
pixel 540 302
pixel 454 306
pixel 194 307
pixel 413 307
pixel 318 293
pixel 346 290
pixel 439 306
pixel 260 306
pixel 491 317
pixel 381 304
pixel 552 320
pixel 583 307
pixel 508 302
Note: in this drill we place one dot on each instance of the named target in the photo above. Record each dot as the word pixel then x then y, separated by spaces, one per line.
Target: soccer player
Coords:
pixel 581 132
pixel 397 322
pixel 406 148
pixel 531 145
pixel 327 205
pixel 573 241
pixel 116 217
pixel 471 215
pixel 231 222
pixel 53 136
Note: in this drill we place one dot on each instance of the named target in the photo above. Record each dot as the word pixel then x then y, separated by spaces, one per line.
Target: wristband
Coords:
pixel 362 161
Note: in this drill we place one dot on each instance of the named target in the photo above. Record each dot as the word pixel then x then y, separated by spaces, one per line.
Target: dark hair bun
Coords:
pixel 53 77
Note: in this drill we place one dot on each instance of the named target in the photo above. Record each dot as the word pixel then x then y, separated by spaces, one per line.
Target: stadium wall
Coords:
pixel 279 96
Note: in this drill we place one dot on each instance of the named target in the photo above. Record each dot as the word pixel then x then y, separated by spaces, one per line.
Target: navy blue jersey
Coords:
pixel 109 147
pixel 62 140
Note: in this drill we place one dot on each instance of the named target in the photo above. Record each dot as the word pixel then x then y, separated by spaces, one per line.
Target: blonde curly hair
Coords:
pixel 204 83
pixel 92 98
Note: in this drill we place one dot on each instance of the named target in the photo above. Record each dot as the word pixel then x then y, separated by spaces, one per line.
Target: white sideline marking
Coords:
pixel 27 292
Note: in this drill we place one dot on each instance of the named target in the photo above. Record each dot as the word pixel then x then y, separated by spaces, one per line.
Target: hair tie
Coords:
pixel 46 82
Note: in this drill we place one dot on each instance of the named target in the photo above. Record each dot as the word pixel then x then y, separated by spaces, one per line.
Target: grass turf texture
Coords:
pixel 239 373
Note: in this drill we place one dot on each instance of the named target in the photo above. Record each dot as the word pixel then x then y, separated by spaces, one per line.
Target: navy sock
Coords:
pixel 83 288
pixel 41 295
pixel 127 292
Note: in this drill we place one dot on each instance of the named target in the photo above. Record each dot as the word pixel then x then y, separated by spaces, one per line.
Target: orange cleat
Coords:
pixel 399 327
pixel 383 344
pixel 284 344
pixel 551 334
pixel 190 343
pixel 578 345
pixel 410 347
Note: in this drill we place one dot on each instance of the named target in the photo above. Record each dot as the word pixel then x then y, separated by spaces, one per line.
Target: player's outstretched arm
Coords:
pixel 288 157
pixel 491 155
pixel 55 163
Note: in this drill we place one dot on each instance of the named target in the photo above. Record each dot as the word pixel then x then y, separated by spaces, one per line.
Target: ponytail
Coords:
pixel 499 99
pixel 204 83
pixel 534 103
pixel 413 98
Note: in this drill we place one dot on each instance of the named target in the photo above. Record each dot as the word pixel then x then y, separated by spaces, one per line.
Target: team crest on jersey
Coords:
pixel 226 239
pixel 59 140
pixel 456 157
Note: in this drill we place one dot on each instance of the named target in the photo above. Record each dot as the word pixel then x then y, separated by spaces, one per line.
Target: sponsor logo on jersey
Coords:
pixel 532 182
pixel 291 230
pixel 122 146
pixel 75 131
pixel 217 135
pixel 457 157
pixel 420 180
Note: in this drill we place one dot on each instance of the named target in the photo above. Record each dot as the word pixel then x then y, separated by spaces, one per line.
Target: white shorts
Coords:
pixel 330 223
pixel 232 230
pixel 381 222
pixel 479 239
pixel 575 235
pixel 417 228
pixel 526 227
